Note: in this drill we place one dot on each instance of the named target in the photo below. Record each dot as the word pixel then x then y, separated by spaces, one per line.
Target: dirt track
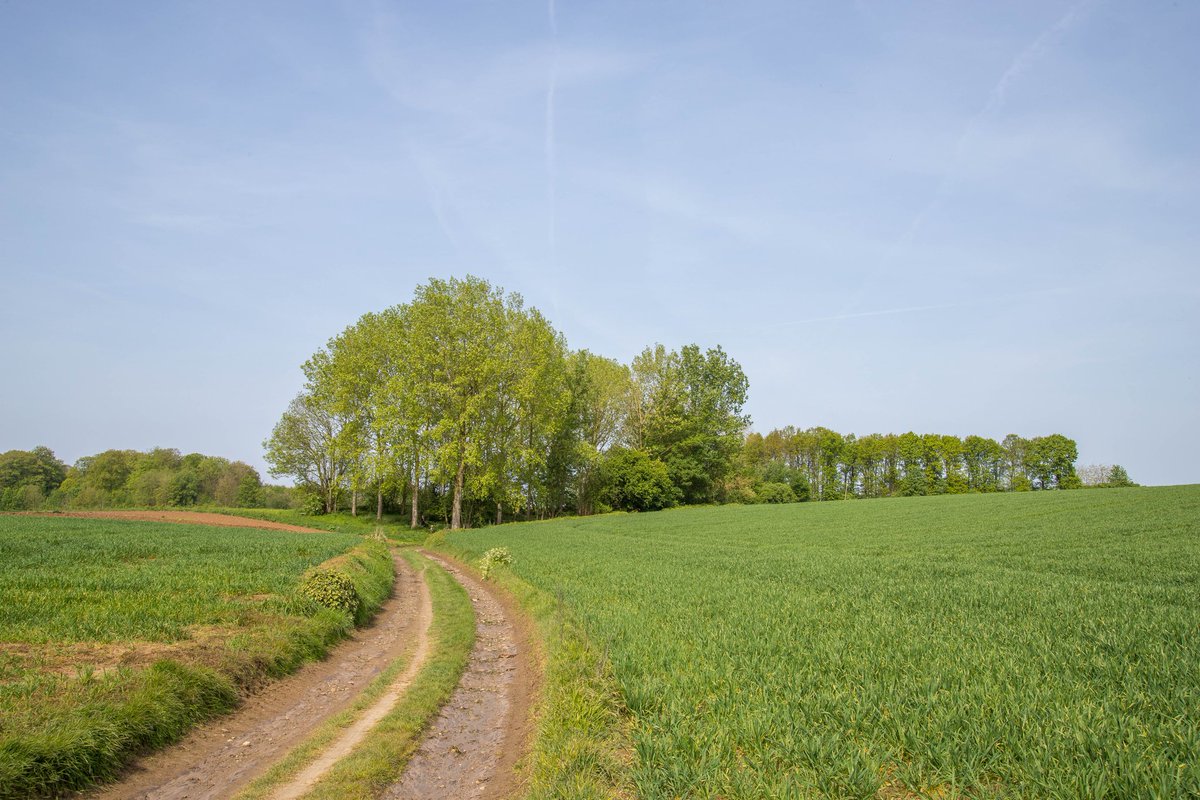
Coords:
pixel 218 759
pixel 472 748
pixel 188 517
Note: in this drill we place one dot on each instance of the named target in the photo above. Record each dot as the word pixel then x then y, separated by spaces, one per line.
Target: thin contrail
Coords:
pixel 1020 64
pixel 551 155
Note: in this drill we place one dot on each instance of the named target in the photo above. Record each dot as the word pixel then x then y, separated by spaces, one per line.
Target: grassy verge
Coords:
pixel 581 748
pixel 380 760
pixel 210 612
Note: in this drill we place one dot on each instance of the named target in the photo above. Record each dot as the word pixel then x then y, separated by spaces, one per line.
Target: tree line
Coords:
pixel 821 464
pixel 464 406
pixel 36 479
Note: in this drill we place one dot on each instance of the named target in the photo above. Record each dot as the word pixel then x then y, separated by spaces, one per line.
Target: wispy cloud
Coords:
pixel 677 200
pixel 990 302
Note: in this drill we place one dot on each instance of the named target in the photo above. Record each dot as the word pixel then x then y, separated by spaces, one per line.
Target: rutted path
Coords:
pixel 221 757
pixel 471 749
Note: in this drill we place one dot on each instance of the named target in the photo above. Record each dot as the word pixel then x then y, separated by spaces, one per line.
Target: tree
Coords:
pixel 1014 448
pixel 1050 462
pixel 634 481
pixel 1118 477
pixel 601 394
pixel 687 413
pixel 306 444
pixel 37 467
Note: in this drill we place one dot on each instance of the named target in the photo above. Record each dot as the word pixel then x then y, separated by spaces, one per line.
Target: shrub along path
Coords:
pixel 219 758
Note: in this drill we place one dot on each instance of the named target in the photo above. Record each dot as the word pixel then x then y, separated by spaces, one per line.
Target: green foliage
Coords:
pixel 184 489
pixel 820 464
pixel 310 504
pixel 633 481
pixel 689 415
pixel 985 645
pixel 330 588
pixel 159 477
pixel 38 468
pixel 249 492
pixel 156 707
pixel 1118 477
pixel 497 556
pixel 775 493
pixel 65 580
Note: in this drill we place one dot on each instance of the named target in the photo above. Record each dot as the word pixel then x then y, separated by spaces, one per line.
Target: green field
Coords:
pixel 118 635
pixel 1020 645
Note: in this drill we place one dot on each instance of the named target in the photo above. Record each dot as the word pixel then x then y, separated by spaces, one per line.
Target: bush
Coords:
pixel 493 557
pixel 332 589
pixel 309 504
pixel 776 493
pixel 633 481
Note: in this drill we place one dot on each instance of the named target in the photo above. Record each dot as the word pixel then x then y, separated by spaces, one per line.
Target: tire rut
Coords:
pixel 472 747
pixel 221 757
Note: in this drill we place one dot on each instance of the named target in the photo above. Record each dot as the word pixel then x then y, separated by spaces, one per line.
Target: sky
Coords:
pixel 947 217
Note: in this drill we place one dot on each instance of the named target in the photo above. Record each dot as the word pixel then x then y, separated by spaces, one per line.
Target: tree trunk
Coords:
pixel 354 502
pixel 499 513
pixel 416 491
pixel 379 505
pixel 456 512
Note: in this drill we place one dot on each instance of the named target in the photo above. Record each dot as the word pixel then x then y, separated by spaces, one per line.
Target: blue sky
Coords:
pixel 942 217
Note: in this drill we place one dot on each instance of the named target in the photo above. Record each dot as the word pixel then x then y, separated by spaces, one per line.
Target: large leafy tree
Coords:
pixel 688 414
pixel 308 444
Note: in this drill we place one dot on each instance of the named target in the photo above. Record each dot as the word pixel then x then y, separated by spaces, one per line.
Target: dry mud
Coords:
pixel 472 748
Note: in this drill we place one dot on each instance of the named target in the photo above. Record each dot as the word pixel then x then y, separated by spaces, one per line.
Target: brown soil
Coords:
pixel 357 732
pixel 218 759
pixel 188 517
pixel 205 645
pixel 472 749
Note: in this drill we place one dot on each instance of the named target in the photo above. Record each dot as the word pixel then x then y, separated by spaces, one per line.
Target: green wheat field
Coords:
pixel 1022 645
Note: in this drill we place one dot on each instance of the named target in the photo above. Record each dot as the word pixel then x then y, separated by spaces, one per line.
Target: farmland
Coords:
pixel 119 635
pixel 1022 645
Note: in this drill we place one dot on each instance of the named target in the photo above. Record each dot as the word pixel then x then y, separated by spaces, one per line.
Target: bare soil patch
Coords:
pixel 218 759
pixel 472 749
pixel 205 644
pixel 184 517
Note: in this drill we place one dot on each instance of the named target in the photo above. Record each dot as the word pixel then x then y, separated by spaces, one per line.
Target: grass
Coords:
pixel 581 748
pixel 394 526
pixel 119 636
pixel 1022 645
pixel 380 760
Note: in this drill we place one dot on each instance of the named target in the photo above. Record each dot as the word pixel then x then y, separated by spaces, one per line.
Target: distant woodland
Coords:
pixel 466 407
pixel 36 479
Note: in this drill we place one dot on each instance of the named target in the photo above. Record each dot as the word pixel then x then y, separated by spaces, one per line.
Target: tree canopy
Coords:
pixel 467 405
pixel 115 478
